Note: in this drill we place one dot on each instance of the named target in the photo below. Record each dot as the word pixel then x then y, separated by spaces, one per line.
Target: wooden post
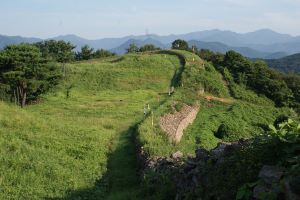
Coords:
pixel 152 119
pixel 145 110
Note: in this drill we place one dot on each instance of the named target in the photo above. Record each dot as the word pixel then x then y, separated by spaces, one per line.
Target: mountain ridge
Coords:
pixel 259 43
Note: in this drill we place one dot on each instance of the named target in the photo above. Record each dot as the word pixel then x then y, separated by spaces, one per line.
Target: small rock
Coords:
pixel 292 188
pixel 177 155
pixel 191 162
pixel 219 150
pixel 195 180
pixel 202 154
pixel 259 190
pixel 295 184
pixel 271 174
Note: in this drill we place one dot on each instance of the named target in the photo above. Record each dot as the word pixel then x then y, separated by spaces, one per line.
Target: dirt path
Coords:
pixel 213 98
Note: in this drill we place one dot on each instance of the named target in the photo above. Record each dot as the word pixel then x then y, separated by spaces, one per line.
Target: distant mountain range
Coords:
pixel 263 43
pixel 245 51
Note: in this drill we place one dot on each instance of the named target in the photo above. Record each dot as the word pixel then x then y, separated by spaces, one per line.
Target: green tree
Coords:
pixel 180 44
pixel 216 58
pixel 132 48
pixel 86 53
pixel 102 53
pixel 148 47
pixel 26 73
pixel 59 51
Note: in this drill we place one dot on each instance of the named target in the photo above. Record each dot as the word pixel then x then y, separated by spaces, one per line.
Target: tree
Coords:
pixel 148 47
pixel 59 51
pixel 26 73
pixel 102 53
pixel 180 44
pixel 222 132
pixel 86 53
pixel 208 55
pixel 132 48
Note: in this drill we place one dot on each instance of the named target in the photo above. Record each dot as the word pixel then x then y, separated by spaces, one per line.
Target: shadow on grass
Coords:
pixel 121 180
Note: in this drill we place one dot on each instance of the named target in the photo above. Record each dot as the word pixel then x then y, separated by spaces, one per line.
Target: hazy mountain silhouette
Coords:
pixel 263 43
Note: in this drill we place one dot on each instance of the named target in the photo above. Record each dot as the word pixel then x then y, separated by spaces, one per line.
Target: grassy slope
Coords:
pixel 62 148
pixel 244 115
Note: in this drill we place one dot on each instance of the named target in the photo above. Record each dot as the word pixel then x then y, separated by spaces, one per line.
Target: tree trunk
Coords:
pixel 24 96
pixel 18 95
pixel 15 96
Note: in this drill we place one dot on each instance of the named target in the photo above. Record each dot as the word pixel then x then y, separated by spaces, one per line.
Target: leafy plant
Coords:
pixel 245 192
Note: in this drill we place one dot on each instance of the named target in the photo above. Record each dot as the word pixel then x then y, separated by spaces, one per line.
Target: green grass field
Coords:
pixel 81 147
pixel 78 141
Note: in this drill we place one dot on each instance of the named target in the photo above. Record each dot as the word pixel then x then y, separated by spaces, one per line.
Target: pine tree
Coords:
pixel 26 73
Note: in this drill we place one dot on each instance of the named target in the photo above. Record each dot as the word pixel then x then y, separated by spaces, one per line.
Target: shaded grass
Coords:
pixel 62 146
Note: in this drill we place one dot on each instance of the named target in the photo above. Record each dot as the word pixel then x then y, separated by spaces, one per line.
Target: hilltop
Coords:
pixel 87 137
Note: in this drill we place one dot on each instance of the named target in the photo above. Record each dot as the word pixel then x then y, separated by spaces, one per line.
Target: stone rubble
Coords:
pixel 189 174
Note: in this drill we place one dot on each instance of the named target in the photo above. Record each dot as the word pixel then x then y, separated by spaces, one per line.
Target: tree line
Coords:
pixel 133 48
pixel 29 70
pixel 283 89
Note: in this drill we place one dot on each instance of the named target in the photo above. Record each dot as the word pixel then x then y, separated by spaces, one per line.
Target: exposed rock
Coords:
pixel 259 190
pixel 202 154
pixel 177 155
pixel 292 188
pixel 197 174
pixel 271 174
pixel 295 184
pixel 219 150
pixel 174 124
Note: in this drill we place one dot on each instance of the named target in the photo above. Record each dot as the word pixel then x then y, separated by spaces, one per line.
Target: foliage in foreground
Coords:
pixel 232 173
pixel 275 147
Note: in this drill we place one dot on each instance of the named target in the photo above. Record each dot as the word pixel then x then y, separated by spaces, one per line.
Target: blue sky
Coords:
pixel 114 18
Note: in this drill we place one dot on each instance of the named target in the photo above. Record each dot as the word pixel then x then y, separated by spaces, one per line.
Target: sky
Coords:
pixel 94 19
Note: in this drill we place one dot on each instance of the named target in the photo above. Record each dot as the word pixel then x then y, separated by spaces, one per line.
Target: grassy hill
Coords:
pixel 79 141
pixel 243 111
pixel 62 147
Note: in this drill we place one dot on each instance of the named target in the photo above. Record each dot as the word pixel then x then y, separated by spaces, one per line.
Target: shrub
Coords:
pixel 223 131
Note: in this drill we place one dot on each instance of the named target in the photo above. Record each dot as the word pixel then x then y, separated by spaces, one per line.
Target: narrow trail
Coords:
pixel 213 98
pixel 122 174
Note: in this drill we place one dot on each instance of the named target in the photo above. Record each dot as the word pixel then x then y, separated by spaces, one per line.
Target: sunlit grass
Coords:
pixel 60 147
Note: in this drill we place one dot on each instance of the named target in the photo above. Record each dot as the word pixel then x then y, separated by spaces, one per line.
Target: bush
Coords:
pixel 223 131
pixel 280 119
